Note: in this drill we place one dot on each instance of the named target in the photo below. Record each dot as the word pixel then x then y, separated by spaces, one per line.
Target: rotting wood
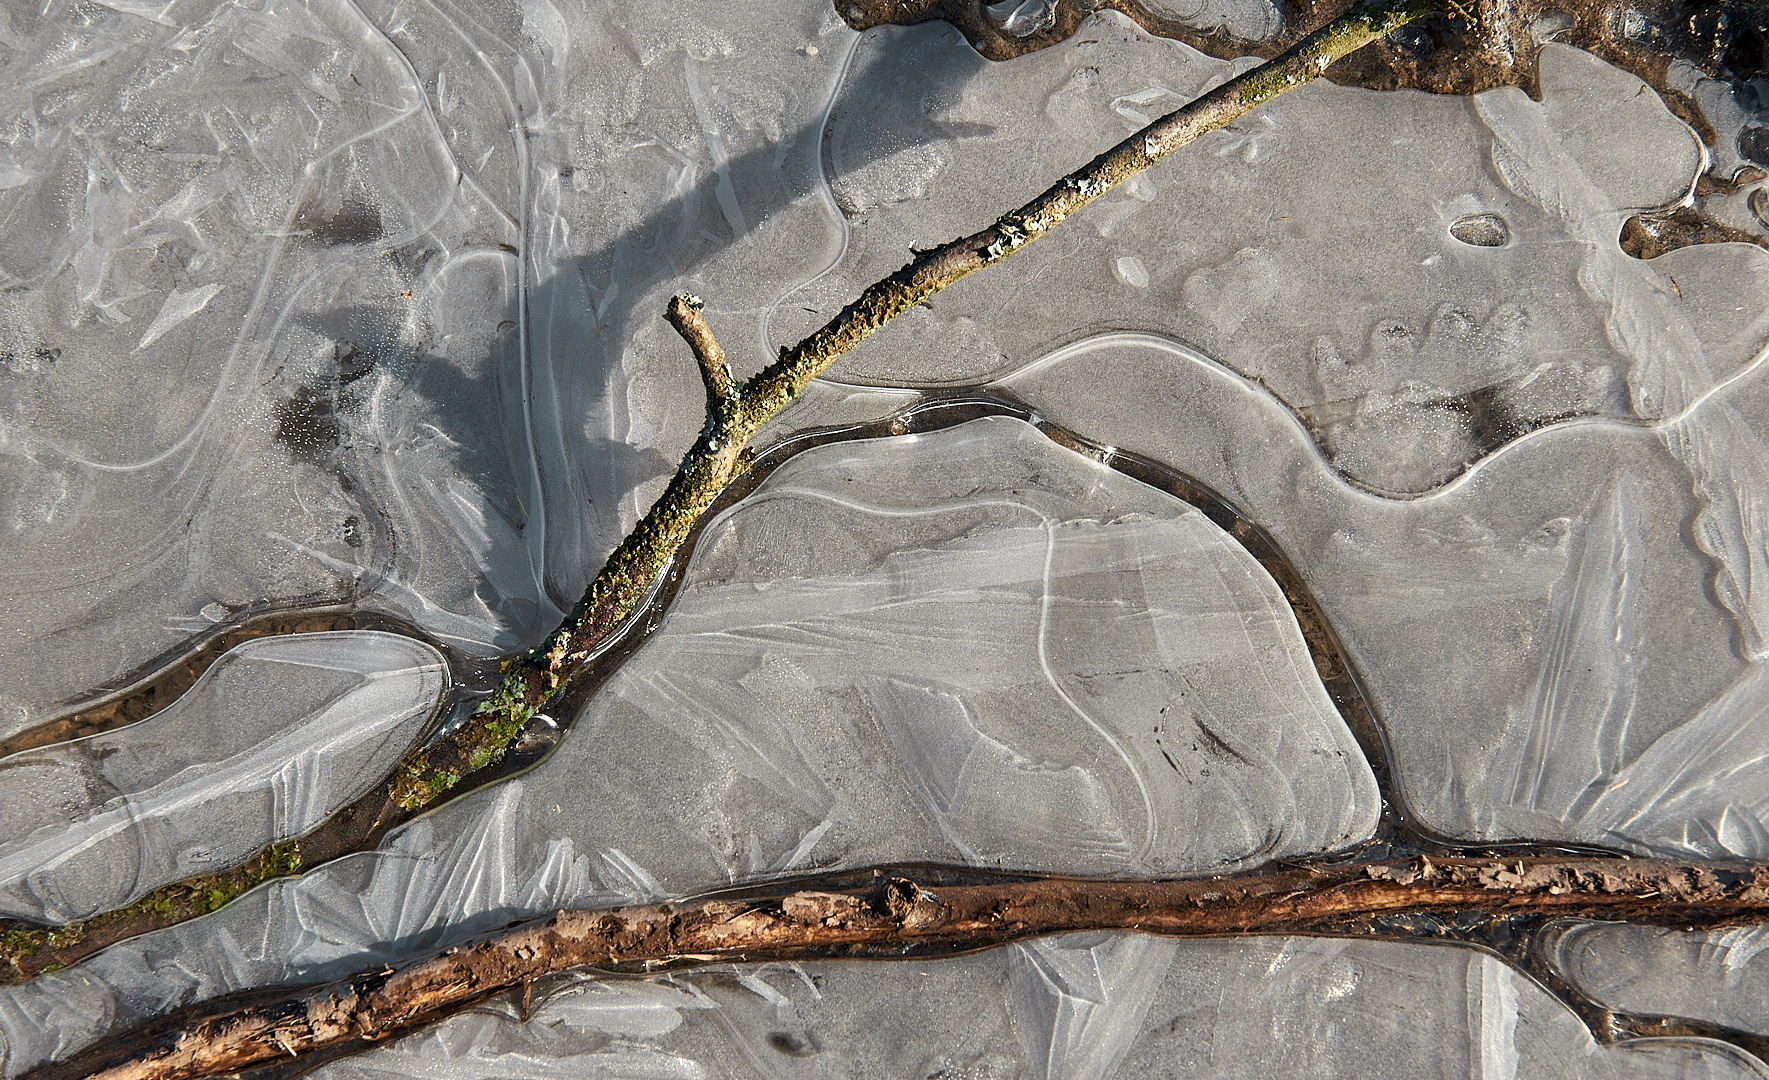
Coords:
pixel 896 916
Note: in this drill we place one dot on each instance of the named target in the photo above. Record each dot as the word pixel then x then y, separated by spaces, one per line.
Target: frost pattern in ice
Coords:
pixel 276 735
pixel 1410 354
pixel 1536 573
pixel 254 276
pixel 1078 1001
pixel 230 210
pixel 1719 976
pixel 1558 156
pixel 1730 463
pixel 953 617
pixel 1564 742
pixel 1249 20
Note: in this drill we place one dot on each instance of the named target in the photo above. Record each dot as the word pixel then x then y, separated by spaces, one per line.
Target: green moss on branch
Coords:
pixel 27 951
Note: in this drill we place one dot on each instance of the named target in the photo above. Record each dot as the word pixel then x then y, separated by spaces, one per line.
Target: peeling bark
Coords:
pixel 896 916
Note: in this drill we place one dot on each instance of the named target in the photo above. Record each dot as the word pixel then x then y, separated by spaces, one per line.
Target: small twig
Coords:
pixel 683 313
pixel 896 916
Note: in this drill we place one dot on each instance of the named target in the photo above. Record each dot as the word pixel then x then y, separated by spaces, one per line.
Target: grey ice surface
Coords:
pixel 1499 621
pixel 276 735
pixel 358 301
pixel 1520 469
pixel 257 329
pixel 972 646
pixel 1076 1007
pixel 1717 976
pixel 1248 20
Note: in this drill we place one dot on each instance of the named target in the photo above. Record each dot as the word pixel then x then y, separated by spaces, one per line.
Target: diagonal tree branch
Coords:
pixel 736 410
pixel 896 916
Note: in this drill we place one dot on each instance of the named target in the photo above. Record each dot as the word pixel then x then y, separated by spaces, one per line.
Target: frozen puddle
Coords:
pixel 976 647
pixel 356 302
pixel 1501 622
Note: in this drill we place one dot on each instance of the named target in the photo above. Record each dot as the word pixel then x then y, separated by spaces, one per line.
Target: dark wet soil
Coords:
pixel 1492 44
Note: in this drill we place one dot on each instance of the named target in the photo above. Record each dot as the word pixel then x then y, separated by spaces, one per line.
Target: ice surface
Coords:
pixel 1310 246
pixel 358 301
pixel 1060 669
pixel 1500 622
pixel 276 735
pixel 972 646
pixel 1249 20
pixel 1717 976
pixel 1496 621
pixel 254 284
pixel 1135 1007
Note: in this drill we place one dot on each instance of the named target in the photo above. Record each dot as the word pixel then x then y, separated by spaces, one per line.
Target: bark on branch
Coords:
pixel 896 916
pixel 683 313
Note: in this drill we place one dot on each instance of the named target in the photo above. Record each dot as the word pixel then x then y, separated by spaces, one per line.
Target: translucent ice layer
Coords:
pixel 276 735
pixel 357 301
pixel 257 329
pixel 1499 622
pixel 1717 976
pixel 1077 1007
pixel 970 647
pixel 1324 247
pixel 1249 20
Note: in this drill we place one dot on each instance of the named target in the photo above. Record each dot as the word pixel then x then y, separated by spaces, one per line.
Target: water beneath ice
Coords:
pixel 356 301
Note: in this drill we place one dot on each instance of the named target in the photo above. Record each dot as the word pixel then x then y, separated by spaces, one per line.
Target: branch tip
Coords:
pixel 684 313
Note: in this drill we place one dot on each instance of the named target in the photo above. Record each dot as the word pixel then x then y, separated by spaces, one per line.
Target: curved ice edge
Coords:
pixel 1003 379
pixel 195 783
pixel 826 192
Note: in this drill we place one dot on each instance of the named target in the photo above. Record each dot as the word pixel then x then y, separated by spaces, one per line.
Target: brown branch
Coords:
pixel 896 916
pixel 683 313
